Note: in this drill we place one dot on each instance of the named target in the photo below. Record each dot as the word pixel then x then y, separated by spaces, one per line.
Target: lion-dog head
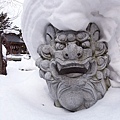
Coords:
pixel 74 65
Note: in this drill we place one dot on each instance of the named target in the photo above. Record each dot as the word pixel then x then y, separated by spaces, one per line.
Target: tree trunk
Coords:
pixel 0 54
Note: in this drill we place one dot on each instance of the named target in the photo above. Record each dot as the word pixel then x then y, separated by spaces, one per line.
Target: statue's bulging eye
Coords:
pixel 62 37
pixel 60 46
pixel 71 37
pixel 100 46
pixel 86 44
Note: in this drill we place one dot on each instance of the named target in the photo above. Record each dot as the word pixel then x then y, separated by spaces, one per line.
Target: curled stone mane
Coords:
pixel 75 66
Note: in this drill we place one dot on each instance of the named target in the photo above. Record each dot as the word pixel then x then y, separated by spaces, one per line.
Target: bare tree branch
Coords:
pixel 12 7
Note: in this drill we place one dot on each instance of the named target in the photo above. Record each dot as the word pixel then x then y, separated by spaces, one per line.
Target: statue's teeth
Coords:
pixel 59 67
pixel 87 65
pixel 82 66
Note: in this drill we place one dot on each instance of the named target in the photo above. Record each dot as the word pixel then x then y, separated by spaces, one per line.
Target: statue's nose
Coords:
pixel 72 51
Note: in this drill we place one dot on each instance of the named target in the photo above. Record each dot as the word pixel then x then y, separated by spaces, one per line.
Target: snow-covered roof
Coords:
pixel 12 37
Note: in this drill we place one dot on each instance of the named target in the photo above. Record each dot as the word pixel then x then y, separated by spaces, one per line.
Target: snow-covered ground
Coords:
pixel 25 96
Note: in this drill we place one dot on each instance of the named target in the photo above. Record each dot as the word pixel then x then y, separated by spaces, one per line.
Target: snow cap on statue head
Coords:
pixel 64 15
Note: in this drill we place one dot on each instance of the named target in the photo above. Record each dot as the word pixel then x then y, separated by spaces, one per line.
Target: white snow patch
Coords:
pixel 4 51
pixel 27 63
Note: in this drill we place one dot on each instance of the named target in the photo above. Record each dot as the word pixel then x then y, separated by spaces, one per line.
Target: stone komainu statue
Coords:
pixel 75 66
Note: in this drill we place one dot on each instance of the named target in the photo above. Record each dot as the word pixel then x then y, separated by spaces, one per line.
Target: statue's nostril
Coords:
pixel 78 54
pixel 66 55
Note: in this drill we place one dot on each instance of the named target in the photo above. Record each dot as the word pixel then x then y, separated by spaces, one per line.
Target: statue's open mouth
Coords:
pixel 72 68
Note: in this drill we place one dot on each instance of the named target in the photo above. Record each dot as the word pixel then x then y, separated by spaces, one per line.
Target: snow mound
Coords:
pixel 27 63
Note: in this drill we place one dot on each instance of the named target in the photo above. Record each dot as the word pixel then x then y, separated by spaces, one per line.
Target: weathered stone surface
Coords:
pixel 75 66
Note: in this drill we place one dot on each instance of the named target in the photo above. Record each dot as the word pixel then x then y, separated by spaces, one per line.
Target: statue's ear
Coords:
pixel 50 34
pixel 94 31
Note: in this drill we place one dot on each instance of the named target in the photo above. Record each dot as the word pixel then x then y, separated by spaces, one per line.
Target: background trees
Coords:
pixel 5 24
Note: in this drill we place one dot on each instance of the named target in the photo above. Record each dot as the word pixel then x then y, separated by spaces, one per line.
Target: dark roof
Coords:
pixel 12 37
